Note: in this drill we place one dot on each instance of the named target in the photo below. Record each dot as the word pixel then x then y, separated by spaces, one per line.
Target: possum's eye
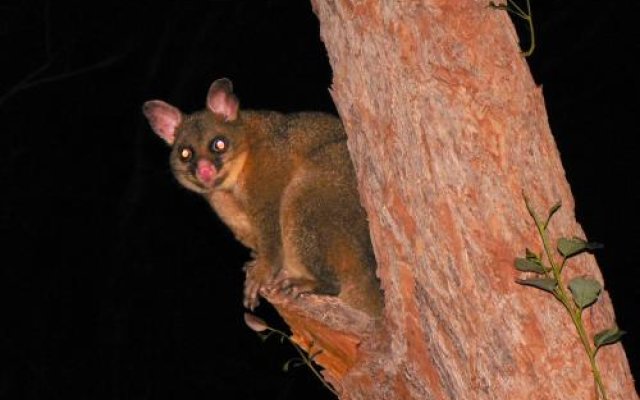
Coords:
pixel 219 144
pixel 185 154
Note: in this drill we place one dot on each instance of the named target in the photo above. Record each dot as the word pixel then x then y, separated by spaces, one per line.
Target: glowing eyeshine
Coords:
pixel 185 154
pixel 219 144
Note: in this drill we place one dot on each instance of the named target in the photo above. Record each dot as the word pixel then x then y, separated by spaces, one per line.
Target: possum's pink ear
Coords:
pixel 163 118
pixel 221 100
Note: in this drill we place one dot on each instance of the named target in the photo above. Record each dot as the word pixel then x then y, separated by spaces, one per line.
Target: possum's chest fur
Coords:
pixel 232 213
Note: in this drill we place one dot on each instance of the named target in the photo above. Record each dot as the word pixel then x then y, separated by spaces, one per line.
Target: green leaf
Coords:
pixel 571 247
pixel 552 211
pixel 546 284
pixel 530 209
pixel 529 265
pixel 530 255
pixel 585 291
pixel 292 363
pixel 607 336
pixel 264 336
pixel 575 245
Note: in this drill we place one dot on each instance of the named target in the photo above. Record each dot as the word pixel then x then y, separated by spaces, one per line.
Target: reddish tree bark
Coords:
pixel 446 129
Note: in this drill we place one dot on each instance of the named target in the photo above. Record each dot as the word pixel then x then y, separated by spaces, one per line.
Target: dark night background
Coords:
pixel 119 284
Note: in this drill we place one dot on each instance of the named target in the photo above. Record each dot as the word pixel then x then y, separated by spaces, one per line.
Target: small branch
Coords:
pixel 512 7
pixel 101 64
pixel 30 80
pixel 259 325
pixel 36 77
pixel 25 81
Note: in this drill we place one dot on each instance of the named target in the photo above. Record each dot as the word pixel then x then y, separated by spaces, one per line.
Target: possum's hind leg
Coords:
pixel 307 234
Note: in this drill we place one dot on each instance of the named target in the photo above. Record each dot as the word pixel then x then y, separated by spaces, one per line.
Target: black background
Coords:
pixel 117 283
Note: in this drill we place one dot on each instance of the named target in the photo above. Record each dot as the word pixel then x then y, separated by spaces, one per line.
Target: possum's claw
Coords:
pixel 257 278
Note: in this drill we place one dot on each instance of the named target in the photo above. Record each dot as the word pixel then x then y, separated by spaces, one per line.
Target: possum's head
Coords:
pixel 207 148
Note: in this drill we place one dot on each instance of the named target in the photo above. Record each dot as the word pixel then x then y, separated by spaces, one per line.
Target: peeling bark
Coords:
pixel 446 129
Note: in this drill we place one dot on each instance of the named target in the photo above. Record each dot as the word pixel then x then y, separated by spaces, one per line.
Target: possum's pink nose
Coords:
pixel 205 171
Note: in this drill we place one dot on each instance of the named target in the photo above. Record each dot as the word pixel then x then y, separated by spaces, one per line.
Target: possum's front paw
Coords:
pixel 292 288
pixel 258 277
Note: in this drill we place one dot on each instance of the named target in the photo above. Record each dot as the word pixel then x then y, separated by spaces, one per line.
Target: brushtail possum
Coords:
pixel 285 185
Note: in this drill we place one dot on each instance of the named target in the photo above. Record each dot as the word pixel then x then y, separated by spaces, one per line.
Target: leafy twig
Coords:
pixel 265 331
pixel 513 8
pixel 584 291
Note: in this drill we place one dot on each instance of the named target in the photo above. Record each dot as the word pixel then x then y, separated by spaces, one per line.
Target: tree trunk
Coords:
pixel 447 129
